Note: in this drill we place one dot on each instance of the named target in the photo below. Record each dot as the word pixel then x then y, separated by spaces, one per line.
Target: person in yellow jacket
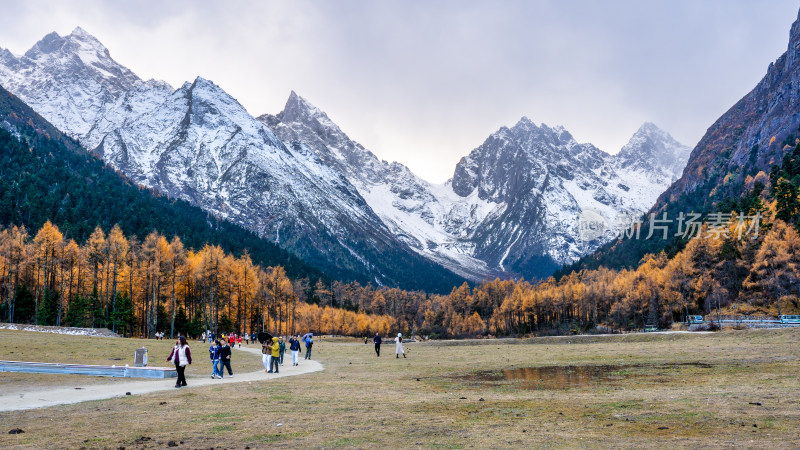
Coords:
pixel 276 352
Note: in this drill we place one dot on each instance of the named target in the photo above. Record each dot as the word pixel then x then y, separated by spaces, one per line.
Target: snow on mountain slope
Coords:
pixel 554 185
pixel 199 144
pixel 67 79
pixel 515 205
pixel 429 218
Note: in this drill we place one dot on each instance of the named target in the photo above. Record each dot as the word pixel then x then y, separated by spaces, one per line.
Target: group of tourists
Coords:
pixel 231 338
pixel 398 345
pixel 272 351
pixel 220 354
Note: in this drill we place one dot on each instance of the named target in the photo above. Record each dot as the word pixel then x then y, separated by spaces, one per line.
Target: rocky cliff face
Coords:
pixel 751 135
pixel 749 138
pixel 514 206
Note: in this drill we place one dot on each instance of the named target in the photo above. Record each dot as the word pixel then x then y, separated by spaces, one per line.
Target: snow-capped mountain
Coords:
pixel 199 144
pixel 554 187
pixel 68 80
pixel 654 151
pixel 429 218
pixel 516 204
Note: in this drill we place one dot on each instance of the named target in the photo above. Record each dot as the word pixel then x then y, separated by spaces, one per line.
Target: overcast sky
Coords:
pixel 425 82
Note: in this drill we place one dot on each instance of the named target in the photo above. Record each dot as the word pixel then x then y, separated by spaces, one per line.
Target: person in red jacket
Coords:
pixel 181 356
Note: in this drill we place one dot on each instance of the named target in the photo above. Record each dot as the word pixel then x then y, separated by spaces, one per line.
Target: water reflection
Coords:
pixel 564 377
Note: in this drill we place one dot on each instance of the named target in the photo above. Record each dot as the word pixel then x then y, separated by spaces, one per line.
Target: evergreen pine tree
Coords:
pixel 78 312
pixel 24 307
pixel 787 204
pixel 181 322
pixel 162 318
pixel 225 324
pixel 98 312
pixel 124 317
pixel 48 310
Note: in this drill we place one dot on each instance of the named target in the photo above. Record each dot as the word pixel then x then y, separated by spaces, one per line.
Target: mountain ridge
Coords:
pixel 298 179
pixel 463 222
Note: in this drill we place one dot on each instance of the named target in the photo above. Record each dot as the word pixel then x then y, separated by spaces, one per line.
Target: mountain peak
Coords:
pixel 649 127
pixel 793 50
pixel 87 40
pixel 200 81
pixel 80 32
pixel 297 105
pixel 298 109
pixel 650 146
pixel 80 43
pixel 524 120
pixel 50 43
pixel 794 32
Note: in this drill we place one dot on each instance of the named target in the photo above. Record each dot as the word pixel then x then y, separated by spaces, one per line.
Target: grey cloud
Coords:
pixel 424 82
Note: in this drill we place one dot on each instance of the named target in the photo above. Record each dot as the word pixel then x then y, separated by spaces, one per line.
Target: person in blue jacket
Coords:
pixel 294 346
pixel 214 354
pixel 378 341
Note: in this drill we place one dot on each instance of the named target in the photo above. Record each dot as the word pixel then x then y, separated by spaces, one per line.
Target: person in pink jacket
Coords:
pixel 181 356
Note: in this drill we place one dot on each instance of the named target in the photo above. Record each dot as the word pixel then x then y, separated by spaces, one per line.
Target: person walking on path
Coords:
pixel 378 341
pixel 276 353
pixel 294 346
pixel 181 356
pixel 309 343
pixel 281 349
pixel 398 346
pixel 239 340
pixel 266 355
pixel 225 360
pixel 214 353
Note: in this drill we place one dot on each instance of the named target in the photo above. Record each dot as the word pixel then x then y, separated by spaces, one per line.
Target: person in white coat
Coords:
pixel 181 356
pixel 398 346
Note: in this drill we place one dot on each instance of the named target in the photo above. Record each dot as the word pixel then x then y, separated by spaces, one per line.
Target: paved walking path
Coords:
pixel 62 396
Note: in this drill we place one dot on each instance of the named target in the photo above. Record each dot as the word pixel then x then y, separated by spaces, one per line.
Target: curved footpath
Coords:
pixel 62 396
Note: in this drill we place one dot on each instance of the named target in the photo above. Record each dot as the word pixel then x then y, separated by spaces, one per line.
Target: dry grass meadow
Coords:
pixel 733 388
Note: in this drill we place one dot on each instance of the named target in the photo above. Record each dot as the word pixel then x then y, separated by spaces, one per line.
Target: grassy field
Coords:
pixel 734 388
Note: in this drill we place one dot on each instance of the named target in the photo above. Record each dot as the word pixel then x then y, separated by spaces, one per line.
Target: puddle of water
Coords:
pixel 564 377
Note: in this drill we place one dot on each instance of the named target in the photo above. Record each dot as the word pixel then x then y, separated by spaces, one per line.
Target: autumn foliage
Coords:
pixel 140 287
